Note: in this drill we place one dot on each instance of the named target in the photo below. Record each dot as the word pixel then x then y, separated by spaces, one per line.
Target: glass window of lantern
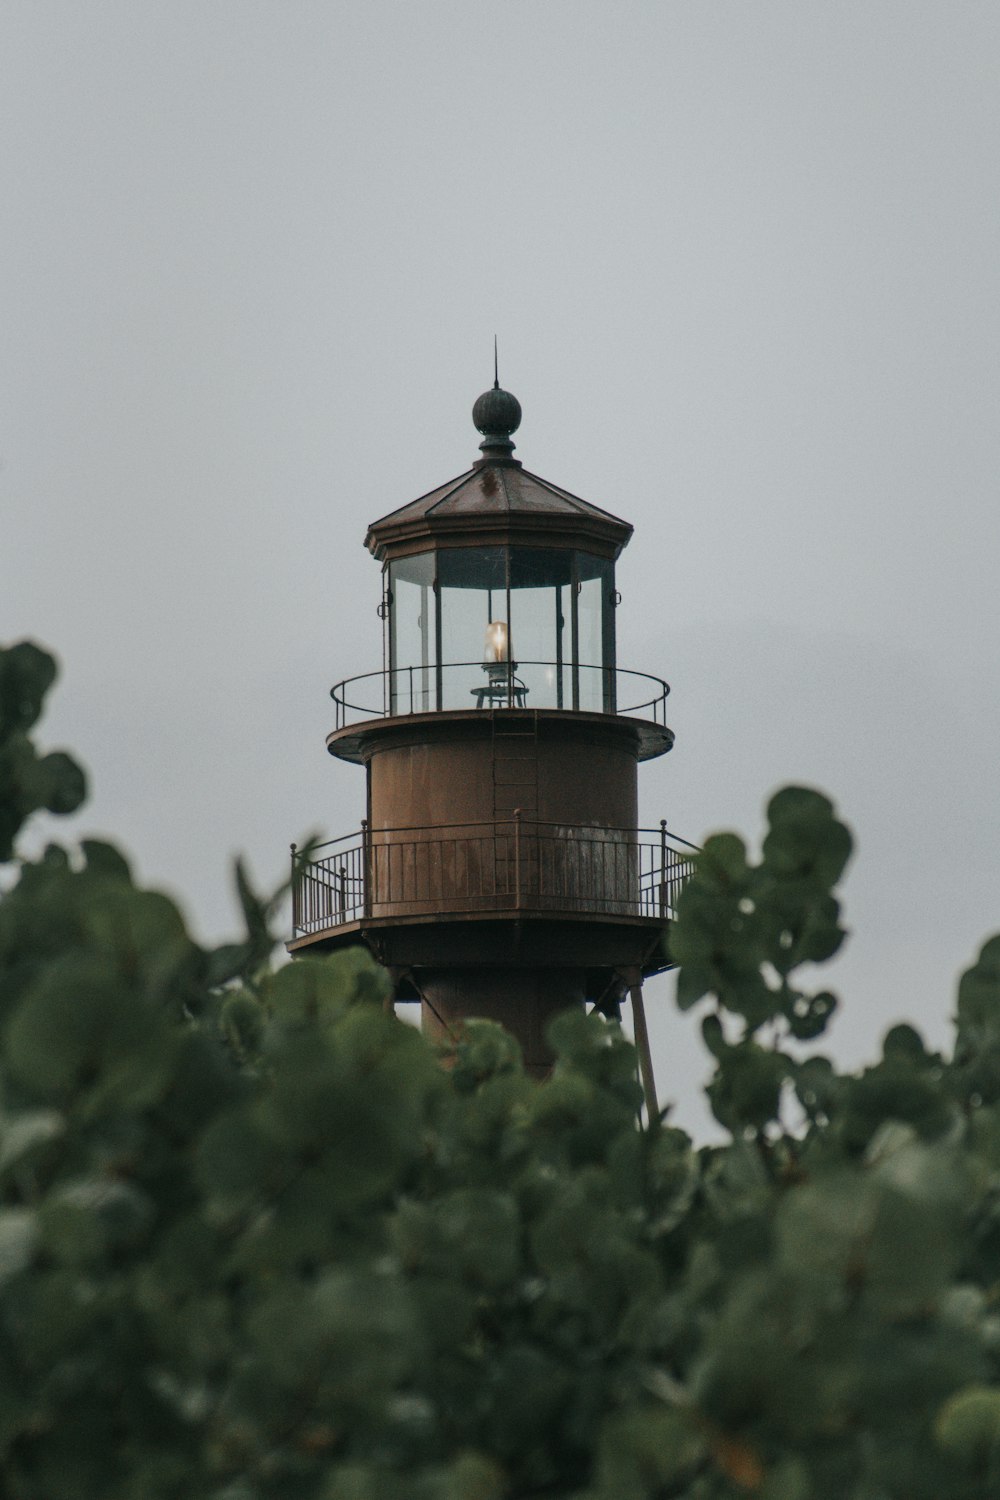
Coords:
pixel 595 633
pixel 411 634
pixel 475 637
pixel 541 584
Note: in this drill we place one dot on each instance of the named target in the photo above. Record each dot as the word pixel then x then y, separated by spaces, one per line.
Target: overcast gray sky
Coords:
pixel 743 265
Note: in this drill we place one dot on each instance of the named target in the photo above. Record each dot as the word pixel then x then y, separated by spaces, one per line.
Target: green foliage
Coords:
pixel 29 781
pixel 257 1244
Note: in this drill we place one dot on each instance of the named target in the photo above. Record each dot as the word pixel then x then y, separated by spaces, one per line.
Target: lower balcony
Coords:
pixel 506 870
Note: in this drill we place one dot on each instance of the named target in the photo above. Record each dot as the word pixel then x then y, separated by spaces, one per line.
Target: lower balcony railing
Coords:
pixel 463 869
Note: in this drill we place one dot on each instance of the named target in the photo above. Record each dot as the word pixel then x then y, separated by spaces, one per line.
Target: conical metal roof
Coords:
pixel 497 500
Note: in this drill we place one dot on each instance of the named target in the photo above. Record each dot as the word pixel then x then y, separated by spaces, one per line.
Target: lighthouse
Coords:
pixel 500 870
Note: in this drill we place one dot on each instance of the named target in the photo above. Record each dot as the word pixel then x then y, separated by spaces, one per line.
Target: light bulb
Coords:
pixel 496 647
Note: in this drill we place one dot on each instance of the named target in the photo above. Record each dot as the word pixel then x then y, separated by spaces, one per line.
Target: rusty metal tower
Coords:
pixel 500 870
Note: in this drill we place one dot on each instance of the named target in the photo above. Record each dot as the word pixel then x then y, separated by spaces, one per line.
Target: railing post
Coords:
pixel 410 670
pixel 663 867
pixel 517 858
pixel 365 870
pixel 295 892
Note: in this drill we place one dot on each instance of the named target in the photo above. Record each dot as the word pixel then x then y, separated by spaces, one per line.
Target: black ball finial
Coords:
pixel 497 413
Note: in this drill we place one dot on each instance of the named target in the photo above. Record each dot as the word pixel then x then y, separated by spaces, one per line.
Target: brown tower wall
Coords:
pixel 480 767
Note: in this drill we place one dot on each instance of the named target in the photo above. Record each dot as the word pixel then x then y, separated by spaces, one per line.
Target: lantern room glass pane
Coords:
pixel 541 581
pixel 411 634
pixel 472 596
pixel 595 633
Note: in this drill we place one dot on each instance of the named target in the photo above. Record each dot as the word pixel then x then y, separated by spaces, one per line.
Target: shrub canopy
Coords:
pixel 257 1244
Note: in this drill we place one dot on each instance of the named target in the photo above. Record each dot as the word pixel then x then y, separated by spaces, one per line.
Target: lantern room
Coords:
pixel 499 589
pixel 503 626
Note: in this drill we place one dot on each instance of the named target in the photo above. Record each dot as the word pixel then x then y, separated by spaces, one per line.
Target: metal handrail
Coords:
pixel 397 686
pixel 658 832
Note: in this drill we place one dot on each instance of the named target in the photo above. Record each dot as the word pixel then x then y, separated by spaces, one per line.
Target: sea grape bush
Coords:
pixel 257 1244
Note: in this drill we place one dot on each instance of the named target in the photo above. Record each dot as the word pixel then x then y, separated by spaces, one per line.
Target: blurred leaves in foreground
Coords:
pixel 256 1244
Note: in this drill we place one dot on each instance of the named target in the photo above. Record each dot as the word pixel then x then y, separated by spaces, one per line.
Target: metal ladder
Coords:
pixel 515 788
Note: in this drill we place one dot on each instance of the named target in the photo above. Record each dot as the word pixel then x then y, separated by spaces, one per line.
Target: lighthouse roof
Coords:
pixel 497 501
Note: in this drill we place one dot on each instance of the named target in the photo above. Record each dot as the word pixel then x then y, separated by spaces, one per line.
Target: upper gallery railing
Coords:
pixel 518 864
pixel 521 684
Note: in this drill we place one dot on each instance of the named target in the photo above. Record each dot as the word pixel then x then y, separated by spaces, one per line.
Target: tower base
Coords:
pixel 523 1001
